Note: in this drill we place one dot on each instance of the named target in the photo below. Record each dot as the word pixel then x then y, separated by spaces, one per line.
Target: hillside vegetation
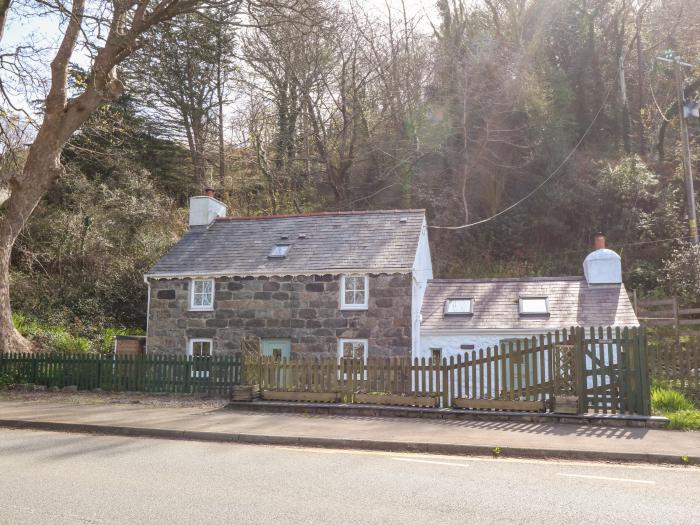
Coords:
pixel 559 109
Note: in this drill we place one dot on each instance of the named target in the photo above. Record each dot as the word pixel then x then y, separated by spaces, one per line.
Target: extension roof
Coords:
pixel 370 241
pixel 571 300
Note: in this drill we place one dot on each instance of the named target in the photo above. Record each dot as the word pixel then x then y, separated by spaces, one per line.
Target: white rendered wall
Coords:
pixel 422 271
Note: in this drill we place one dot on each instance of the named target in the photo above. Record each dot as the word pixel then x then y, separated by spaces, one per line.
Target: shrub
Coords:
pixel 76 339
pixel 668 400
pixel 684 420
pixel 59 340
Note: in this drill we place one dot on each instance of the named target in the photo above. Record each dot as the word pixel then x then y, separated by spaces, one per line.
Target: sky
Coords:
pixel 43 32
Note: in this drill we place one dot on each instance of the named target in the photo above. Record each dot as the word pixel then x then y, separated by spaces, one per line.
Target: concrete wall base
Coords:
pixel 607 420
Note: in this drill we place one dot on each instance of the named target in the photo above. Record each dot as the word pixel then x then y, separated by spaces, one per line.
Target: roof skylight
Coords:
pixel 533 305
pixel 459 306
pixel 279 251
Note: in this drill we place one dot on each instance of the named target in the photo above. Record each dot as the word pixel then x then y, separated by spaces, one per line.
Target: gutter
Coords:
pixel 273 273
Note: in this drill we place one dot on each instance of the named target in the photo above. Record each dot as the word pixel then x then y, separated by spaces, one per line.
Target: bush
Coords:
pixel 684 420
pixel 668 400
pixel 75 339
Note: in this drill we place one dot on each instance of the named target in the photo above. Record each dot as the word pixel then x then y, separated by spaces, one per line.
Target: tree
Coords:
pixel 127 25
pixel 181 72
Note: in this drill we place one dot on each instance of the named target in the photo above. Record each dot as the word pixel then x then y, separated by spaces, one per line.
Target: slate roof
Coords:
pixel 572 302
pixel 333 241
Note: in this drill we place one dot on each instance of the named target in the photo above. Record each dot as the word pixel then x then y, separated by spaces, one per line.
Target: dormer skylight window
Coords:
pixel 459 306
pixel 533 306
pixel 279 251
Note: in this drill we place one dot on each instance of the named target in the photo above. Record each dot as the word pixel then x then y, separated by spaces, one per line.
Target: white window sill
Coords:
pixel 207 309
pixel 354 307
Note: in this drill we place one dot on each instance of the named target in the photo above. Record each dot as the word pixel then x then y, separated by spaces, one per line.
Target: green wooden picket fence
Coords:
pixel 149 373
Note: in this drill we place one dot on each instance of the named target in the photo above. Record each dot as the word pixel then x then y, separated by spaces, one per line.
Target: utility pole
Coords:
pixel 687 165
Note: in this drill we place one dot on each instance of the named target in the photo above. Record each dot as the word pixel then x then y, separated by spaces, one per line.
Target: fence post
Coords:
pixel 579 334
pixel 644 394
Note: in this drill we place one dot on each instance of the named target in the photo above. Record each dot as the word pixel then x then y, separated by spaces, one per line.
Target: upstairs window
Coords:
pixel 534 306
pixel 202 294
pixel 459 306
pixel 279 251
pixel 354 292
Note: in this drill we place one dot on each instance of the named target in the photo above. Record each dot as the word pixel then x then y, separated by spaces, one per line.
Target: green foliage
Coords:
pixel 680 412
pixel 60 339
pixel 682 270
pixel 684 420
pixel 7 380
pixel 496 451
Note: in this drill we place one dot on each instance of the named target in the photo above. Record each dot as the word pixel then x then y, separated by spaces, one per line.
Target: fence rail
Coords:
pixel 150 373
pixel 668 312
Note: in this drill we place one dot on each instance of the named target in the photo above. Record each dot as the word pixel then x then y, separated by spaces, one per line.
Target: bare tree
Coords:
pixel 127 24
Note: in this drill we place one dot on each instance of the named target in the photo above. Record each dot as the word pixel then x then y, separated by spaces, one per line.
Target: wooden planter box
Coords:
pixel 396 399
pixel 565 404
pixel 311 397
pixel 500 404
pixel 245 393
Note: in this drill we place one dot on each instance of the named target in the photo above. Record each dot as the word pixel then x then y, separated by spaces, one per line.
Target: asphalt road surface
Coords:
pixel 50 477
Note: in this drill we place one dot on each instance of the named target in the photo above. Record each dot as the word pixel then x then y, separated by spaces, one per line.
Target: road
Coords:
pixel 48 477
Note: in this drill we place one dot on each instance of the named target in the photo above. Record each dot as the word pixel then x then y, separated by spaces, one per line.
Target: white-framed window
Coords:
pixel 354 292
pixel 200 351
pixel 279 251
pixel 202 294
pixel 533 306
pixel 352 349
pixel 459 306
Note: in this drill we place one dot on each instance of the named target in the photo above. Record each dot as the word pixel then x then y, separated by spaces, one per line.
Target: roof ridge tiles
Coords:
pixel 485 280
pixel 318 214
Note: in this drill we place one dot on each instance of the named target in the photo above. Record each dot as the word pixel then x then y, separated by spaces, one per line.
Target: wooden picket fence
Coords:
pixel 673 331
pixel 145 373
pixel 604 369
pixel 678 365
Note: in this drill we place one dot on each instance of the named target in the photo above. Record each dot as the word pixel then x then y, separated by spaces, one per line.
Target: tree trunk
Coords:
pixel 4 8
pixel 41 170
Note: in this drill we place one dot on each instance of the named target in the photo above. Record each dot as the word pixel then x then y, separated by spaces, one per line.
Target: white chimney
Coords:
pixel 602 266
pixel 204 209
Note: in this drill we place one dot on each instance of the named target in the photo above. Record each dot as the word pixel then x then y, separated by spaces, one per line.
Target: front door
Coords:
pixel 277 348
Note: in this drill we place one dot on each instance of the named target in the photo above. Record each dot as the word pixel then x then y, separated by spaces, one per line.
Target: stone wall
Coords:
pixel 304 309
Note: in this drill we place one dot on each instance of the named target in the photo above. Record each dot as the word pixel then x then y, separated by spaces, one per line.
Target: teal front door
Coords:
pixel 277 348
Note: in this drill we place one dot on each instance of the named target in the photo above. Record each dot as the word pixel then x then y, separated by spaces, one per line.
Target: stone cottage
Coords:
pixel 353 284
pixel 325 284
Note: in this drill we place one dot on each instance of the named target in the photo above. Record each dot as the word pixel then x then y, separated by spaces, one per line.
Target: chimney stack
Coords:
pixel 599 241
pixel 205 209
pixel 602 266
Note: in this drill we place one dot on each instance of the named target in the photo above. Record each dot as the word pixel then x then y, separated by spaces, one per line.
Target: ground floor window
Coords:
pixel 352 349
pixel 200 350
pixel 436 355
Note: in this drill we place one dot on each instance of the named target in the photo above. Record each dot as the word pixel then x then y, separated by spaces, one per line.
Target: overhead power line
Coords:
pixel 541 184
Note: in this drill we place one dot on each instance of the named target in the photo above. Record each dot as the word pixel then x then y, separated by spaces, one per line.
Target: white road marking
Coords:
pixel 432 462
pixel 644 481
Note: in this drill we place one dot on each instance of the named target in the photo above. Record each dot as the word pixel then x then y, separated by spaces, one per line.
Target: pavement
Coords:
pixel 514 439
pixel 57 478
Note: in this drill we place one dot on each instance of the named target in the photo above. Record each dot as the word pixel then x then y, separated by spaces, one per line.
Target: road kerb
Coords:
pixel 351 444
